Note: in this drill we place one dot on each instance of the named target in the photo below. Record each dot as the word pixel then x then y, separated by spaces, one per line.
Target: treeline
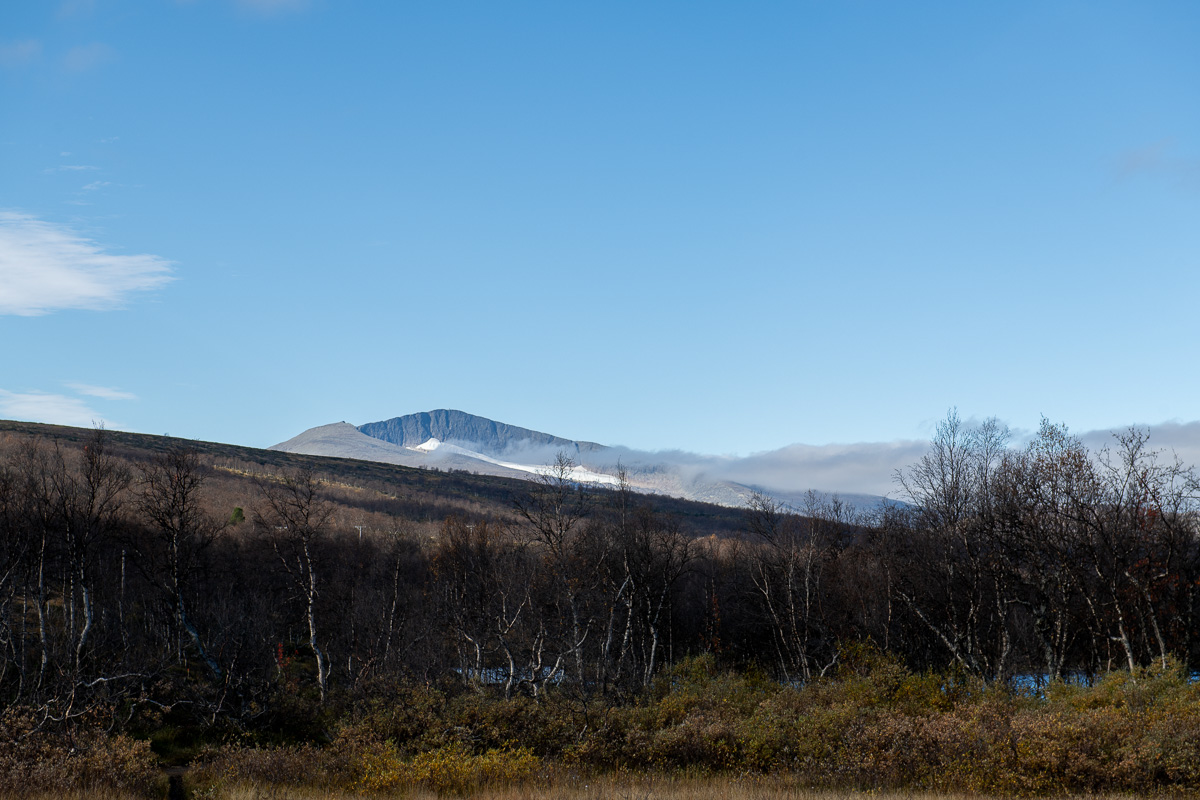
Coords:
pixel 128 589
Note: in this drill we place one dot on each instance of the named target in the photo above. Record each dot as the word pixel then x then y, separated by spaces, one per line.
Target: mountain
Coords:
pixel 477 433
pixel 343 440
pixel 505 450
pixel 455 440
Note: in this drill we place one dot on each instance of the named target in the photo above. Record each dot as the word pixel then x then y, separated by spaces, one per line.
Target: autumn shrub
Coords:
pixel 412 716
pixel 874 725
pixel 84 759
pixel 689 720
pixel 456 770
pixel 878 725
pixel 286 765
pixel 480 722
pixel 1168 750
pixel 697 684
pixel 360 760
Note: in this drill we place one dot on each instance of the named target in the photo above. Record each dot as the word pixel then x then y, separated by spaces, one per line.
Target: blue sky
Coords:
pixel 717 227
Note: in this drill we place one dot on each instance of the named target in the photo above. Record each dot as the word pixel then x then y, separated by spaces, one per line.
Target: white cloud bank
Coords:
pixel 868 467
pixel 47 267
pixel 850 469
pixel 1178 439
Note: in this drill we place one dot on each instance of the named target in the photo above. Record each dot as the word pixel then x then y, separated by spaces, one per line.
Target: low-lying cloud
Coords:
pixel 860 468
pixel 789 472
pixel 1171 439
pixel 870 467
pixel 864 468
pixel 47 267
pixel 849 469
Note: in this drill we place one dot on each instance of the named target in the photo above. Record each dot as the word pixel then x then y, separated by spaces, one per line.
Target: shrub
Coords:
pixel 87 760
pixel 302 765
pixel 454 770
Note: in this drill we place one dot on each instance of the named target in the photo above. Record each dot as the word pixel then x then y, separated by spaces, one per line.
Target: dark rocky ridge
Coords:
pixel 482 434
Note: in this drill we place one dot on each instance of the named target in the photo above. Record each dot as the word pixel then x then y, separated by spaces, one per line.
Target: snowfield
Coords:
pixel 577 474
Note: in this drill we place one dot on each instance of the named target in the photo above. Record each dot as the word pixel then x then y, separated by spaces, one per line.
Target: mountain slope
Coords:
pixel 477 433
pixel 343 440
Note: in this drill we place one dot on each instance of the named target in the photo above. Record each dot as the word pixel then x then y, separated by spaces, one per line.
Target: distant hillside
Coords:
pixel 369 486
pixel 481 434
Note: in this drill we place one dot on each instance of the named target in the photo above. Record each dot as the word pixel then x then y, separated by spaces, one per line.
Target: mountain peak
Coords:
pixel 482 434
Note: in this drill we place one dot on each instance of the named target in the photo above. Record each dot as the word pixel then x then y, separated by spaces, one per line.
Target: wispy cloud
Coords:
pixel 103 392
pixel 46 267
pixel 70 168
pixel 94 185
pixel 15 54
pixel 57 409
pixel 88 57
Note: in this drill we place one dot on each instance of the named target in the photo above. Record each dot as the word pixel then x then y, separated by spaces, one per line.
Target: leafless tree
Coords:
pixel 789 563
pixel 89 500
pixel 294 515
pixel 171 500
pixel 957 582
pixel 554 511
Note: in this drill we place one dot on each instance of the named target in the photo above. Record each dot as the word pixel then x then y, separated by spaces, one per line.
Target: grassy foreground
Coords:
pixel 699 733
